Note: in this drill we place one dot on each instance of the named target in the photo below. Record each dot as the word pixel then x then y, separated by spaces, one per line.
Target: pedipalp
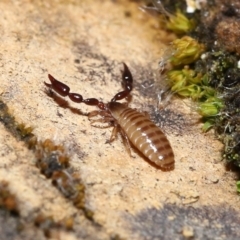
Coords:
pixel 127 81
pixel 64 90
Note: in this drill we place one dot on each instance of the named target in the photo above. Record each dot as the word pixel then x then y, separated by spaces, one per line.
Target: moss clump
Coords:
pixel 224 77
pixel 187 83
pixel 180 24
pixel 184 81
pixel 185 50
pixel 193 82
pixel 213 80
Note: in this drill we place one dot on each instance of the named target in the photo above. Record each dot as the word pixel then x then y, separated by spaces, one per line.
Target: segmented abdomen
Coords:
pixel 146 137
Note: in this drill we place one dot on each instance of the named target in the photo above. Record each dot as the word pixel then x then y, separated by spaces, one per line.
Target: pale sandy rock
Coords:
pixel 83 44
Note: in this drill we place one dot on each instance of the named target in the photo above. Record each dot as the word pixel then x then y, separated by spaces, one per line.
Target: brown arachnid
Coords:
pixel 135 126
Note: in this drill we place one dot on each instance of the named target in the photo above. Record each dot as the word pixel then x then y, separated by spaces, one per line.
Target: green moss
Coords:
pixel 185 50
pixel 188 83
pixel 214 82
pixel 180 24
pixel 223 77
pixel 184 82
pixel 210 107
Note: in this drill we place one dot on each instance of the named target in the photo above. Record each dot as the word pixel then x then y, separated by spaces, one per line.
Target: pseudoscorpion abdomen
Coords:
pixel 144 135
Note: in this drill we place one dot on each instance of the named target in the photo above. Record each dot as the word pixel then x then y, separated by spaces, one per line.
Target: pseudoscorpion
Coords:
pixel 135 126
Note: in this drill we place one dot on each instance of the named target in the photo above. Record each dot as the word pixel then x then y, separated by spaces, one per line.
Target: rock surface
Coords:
pixel 83 44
